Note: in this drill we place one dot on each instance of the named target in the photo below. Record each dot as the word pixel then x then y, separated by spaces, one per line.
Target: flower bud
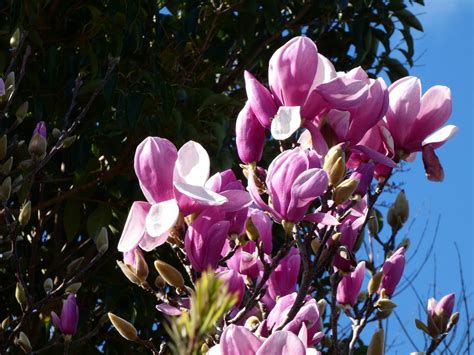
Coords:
pixel 344 191
pixel 141 267
pixel 376 346
pixel 373 223
pixel 6 167
pixel 252 323
pixel 3 146
pixel 20 296
pixel 38 143
pixel 172 276
pixel 48 285
pixel 5 323
pixel 159 282
pixel 129 272
pixel 23 342
pixel 398 212
pixel 73 288
pixel 251 230
pixel 25 214
pixel 74 265
pixel 287 227
pixel 126 329
pixel 69 141
pixel 6 189
pixel 332 156
pixel 102 241
pixel 250 136
pixel 67 322
pixel 385 305
pixel 315 245
pixel 338 172
pixel 15 39
pixel 374 283
pixel 422 326
pixel 21 112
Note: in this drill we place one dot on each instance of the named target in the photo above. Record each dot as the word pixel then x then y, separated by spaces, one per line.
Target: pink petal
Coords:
pixel 339 122
pixel 374 155
pixel 442 135
pixel 200 194
pixel 237 200
pixel 193 164
pixel 286 122
pixel 134 229
pixel 323 218
pixel 237 340
pixel 168 309
pixel 260 100
pixel 343 92
pixel 307 186
pixel 434 170
pixel 161 217
pixel 282 343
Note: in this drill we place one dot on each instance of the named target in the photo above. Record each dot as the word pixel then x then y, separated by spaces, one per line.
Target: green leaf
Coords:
pixel 407 17
pixel 101 217
pixel 72 218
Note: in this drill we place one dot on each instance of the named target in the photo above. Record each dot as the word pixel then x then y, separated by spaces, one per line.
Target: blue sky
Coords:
pixel 445 53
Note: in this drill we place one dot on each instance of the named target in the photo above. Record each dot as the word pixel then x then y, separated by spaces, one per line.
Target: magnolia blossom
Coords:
pixel 249 136
pixel 349 287
pixel 415 122
pixel 236 340
pixel 303 84
pixel 392 271
pixel 439 313
pixel 67 322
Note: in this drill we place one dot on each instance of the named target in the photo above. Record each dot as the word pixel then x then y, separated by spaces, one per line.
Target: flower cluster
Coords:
pixel 272 238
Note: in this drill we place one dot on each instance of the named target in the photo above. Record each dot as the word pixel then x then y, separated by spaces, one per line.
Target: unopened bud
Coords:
pixel 6 167
pixel 141 267
pixel 15 39
pixel 37 146
pixel 336 237
pixel 251 231
pixel 374 283
pixel 6 189
pixel 125 328
pixel 172 276
pixel 102 241
pixel 398 212
pixel 287 227
pixel 21 112
pixel 20 296
pixel 159 282
pixel 69 141
pixel 25 214
pixel 252 323
pixel 376 346
pixel 338 172
pixel 454 318
pixel 56 133
pixel 384 304
pixel 315 245
pixel 3 146
pixel 48 285
pixel 129 272
pixel 73 288
pixel 332 156
pixel 322 306
pixel 373 223
pixel 5 323
pixel 24 343
pixel 74 265
pixel 344 191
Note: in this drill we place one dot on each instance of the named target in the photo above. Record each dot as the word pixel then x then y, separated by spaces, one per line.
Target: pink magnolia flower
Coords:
pixel 307 317
pixel 414 122
pixel 392 271
pixel 294 181
pixel 235 284
pixel 205 239
pixel 303 83
pixel 349 287
pixel 439 313
pixel 285 276
pixel 67 322
pixel 40 129
pixel 236 340
pixel 249 136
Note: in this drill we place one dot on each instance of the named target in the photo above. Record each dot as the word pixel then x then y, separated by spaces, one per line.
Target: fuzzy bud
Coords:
pixel 172 276
pixel 332 156
pixel 48 285
pixel 6 167
pixel 376 346
pixel 338 172
pixel 102 241
pixel 21 112
pixel 20 296
pixel 374 283
pixel 25 214
pixel 251 230
pixel 74 265
pixel 73 288
pixel 126 329
pixel 24 343
pixel 15 39
pixel 385 305
pixel 141 267
pixel 129 272
pixel 6 189
pixel 344 191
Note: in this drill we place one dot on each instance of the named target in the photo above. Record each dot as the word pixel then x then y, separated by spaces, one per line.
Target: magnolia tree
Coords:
pixel 272 263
